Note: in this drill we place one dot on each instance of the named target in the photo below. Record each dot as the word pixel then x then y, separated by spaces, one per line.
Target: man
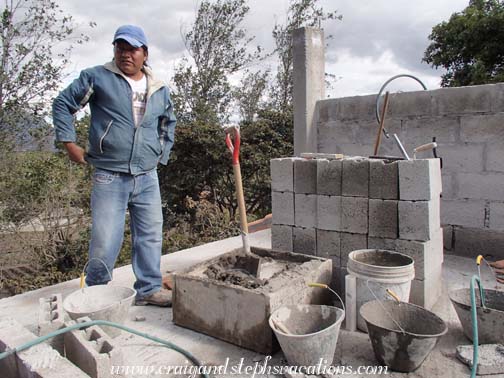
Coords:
pixel 132 129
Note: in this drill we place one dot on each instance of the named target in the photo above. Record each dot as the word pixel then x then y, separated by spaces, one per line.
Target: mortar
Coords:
pixel 219 298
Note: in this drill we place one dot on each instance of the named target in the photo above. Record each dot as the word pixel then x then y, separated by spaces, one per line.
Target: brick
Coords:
pixel 305 241
pixel 381 243
pixel 92 350
pixel 355 179
pixel 495 158
pixel 329 213
pixel 39 361
pixel 51 317
pixel 282 208
pixel 462 100
pixel 383 218
pixel 418 220
pixel 427 255
pixel 282 175
pixel 486 186
pixel 470 213
pixel 329 174
pixel 420 179
pixel 426 292
pixel 482 128
pixel 281 238
pixel 350 243
pixel 471 242
pixel 497 216
pixel 328 245
pixel 354 215
pixel 461 157
pixel 383 179
pixel 305 176
pixel 305 210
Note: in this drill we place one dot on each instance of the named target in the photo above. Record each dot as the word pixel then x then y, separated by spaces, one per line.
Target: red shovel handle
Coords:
pixel 235 149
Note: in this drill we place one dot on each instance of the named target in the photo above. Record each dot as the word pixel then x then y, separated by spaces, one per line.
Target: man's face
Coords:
pixel 129 59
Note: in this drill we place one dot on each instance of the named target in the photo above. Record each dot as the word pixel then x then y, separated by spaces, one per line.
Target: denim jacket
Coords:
pixel 115 144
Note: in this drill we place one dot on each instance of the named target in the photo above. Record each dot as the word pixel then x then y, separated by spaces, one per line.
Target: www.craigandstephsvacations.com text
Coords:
pixel 257 369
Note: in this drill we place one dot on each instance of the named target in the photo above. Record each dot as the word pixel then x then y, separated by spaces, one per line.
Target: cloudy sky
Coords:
pixel 376 39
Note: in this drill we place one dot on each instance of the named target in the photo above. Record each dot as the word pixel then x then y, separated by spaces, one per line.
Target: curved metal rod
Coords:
pixel 381 90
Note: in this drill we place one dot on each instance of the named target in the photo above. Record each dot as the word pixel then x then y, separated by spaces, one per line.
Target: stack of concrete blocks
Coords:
pixel 51 317
pixel 39 361
pixel 92 350
pixel 330 208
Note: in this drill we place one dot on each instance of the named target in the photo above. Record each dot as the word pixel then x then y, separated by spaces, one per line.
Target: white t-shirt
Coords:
pixel 139 89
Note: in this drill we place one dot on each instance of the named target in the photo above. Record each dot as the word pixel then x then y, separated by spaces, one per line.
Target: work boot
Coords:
pixel 161 298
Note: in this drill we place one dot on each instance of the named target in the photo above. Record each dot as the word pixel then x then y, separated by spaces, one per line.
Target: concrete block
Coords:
pixel 426 292
pixel 350 243
pixel 282 175
pixel 282 208
pixel 462 100
pixel 471 242
pixel 447 237
pixel 51 317
pixel 356 107
pixel 92 350
pixel 329 213
pixel 383 218
pixel 305 176
pixel 305 210
pixel 329 174
pixel 495 157
pixel 305 241
pixel 420 130
pixel 469 213
pixel 328 245
pixel 281 238
pixel 355 179
pixel 450 186
pixel 485 186
pixel 458 157
pixel 407 104
pixel 418 220
pixel 383 179
pixel 39 361
pixel 497 216
pixel 419 180
pixel 354 215
pixel 427 255
pixel 381 243
pixel 482 128
pixel 217 308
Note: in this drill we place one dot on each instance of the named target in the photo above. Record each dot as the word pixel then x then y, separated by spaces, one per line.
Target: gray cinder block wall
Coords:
pixel 468 123
pixel 329 208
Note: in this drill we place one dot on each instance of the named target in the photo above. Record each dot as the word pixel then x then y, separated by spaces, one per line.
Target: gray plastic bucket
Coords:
pixel 101 302
pixel 313 333
pixel 376 271
pixel 402 351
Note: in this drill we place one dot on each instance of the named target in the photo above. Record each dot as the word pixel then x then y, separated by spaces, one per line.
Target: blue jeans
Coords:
pixel 113 193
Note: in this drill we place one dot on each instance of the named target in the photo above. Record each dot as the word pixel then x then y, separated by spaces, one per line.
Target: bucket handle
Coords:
pixel 85 267
pixel 324 286
pixel 384 309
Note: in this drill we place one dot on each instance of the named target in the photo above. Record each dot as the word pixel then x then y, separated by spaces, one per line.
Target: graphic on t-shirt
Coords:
pixel 139 98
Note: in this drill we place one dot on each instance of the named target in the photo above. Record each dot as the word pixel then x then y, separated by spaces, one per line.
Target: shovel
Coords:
pixel 250 263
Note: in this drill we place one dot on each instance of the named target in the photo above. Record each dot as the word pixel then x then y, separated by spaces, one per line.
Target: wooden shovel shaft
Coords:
pixel 382 124
pixel 241 206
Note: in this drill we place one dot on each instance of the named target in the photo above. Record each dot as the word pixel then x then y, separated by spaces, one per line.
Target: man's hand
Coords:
pixel 75 153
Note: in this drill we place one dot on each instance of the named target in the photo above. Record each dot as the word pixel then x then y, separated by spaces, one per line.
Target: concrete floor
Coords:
pixel 353 349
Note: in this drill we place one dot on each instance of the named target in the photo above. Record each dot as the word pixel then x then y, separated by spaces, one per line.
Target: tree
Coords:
pixel 30 71
pixel 219 47
pixel 469 46
pixel 300 13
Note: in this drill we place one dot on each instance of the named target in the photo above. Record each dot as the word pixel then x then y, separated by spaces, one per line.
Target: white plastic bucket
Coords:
pixel 377 270
pixel 313 333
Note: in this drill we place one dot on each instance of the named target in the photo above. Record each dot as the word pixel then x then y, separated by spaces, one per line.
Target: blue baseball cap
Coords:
pixel 132 34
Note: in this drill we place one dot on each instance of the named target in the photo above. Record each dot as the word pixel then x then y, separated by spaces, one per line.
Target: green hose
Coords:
pixel 104 323
pixel 474 320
